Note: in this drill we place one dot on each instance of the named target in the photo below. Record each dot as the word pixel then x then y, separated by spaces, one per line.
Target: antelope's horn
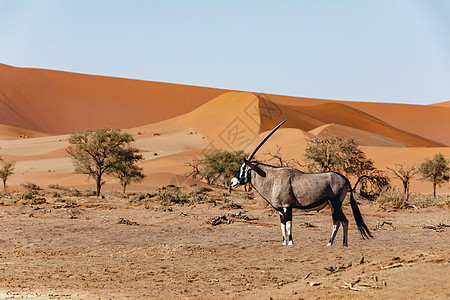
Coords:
pixel 265 139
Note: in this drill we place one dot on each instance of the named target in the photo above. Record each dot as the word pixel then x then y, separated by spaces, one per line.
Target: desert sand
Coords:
pixel 173 124
pixel 113 248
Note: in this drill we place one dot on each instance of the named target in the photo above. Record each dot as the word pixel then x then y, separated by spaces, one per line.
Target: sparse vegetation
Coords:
pixel 128 172
pixel 56 186
pixel 344 156
pixel 436 171
pixel 392 197
pixel 171 195
pixel 6 170
pixel 230 218
pixel 217 167
pixel 30 186
pixel 102 151
pixel 30 196
pixel 405 173
pixel 127 222
pixel 307 224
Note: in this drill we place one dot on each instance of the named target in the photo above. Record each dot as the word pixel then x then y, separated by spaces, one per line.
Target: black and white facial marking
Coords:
pixel 241 177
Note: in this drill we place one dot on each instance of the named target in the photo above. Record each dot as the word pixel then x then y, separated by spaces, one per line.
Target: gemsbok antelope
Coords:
pixel 286 188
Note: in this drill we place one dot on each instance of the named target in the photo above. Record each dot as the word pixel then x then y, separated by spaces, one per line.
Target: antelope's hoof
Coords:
pixel 345 245
pixel 291 243
pixel 329 244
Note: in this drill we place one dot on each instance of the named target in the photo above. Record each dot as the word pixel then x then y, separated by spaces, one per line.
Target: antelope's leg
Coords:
pixel 345 227
pixel 343 219
pixel 336 224
pixel 288 212
pixel 283 224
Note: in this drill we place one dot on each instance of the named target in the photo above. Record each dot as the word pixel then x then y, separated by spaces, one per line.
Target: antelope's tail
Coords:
pixel 362 227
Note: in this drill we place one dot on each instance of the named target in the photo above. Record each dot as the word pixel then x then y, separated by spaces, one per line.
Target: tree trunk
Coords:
pixel 124 187
pixel 434 190
pixel 406 186
pixel 99 185
pixel 4 184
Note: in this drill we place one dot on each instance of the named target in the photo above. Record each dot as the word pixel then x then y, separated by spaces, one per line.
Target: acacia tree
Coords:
pixel 217 167
pixel 129 172
pixel 101 151
pixel 6 170
pixel 405 173
pixel 344 155
pixel 435 170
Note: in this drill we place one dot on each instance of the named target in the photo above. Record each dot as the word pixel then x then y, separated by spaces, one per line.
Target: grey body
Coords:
pixel 287 188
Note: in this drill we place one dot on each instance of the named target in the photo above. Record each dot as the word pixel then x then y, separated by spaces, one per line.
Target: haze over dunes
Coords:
pixel 174 123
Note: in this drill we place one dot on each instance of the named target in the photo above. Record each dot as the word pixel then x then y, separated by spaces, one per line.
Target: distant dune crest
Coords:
pixel 55 102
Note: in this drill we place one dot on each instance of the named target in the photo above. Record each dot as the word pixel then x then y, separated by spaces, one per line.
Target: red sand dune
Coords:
pixel 443 104
pixel 11 133
pixel 62 102
pixel 173 124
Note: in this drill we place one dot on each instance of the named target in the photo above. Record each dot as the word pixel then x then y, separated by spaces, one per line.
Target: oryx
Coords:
pixel 286 188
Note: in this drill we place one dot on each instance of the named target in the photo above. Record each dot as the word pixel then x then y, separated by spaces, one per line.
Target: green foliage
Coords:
pixel 217 167
pixel 436 170
pixel 338 155
pixel 128 172
pixel 344 156
pixel 103 151
pixel 6 170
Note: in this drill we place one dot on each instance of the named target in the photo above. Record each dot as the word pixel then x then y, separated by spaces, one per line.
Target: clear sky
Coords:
pixel 369 50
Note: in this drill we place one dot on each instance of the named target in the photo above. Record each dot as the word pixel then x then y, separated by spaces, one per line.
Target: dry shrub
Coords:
pixel 165 196
pixel 427 200
pixel 144 199
pixel 230 218
pixel 199 194
pixel 228 204
pixel 29 197
pixel 30 186
pixel 392 197
pixel 56 186
pixel 171 195
pixel 444 203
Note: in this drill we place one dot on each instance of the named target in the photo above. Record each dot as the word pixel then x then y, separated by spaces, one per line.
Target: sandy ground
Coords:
pixel 78 249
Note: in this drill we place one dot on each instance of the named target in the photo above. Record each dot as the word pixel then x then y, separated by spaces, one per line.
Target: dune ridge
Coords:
pixel 338 113
pixel 443 104
pixel 60 102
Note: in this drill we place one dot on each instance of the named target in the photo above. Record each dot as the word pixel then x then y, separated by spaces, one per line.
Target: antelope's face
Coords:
pixel 241 177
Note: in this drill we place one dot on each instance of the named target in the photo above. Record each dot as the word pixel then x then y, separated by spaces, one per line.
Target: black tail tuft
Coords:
pixel 362 227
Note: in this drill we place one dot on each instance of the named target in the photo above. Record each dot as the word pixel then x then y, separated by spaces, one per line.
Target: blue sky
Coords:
pixel 380 50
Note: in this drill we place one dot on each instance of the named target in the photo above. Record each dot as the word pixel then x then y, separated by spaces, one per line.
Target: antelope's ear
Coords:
pixel 255 168
pixel 249 164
